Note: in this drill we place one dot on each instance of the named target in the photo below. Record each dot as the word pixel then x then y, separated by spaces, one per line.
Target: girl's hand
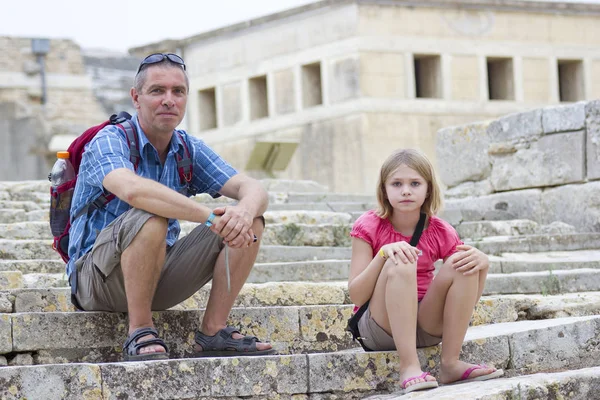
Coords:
pixel 401 251
pixel 469 260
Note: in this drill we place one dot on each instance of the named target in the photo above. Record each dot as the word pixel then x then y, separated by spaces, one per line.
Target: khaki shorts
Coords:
pixel 189 265
pixel 377 339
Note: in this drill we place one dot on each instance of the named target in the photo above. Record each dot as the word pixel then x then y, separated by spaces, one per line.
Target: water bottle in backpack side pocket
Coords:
pixel 62 182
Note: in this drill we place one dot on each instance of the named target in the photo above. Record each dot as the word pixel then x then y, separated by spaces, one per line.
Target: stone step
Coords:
pixel 544 282
pixel 519 348
pixel 546 261
pixel 580 384
pixel 33 266
pixel 8 216
pixel 472 230
pixel 491 308
pixel 537 243
pixel 36 249
pixel 42 249
pixel 21 205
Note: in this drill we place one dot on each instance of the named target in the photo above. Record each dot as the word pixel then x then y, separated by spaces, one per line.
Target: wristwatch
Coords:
pixel 210 219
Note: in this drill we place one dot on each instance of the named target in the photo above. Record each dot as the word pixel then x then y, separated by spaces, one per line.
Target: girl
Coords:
pixel 407 305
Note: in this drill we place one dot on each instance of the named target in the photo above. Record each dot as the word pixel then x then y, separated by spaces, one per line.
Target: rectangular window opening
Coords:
pixel 259 105
pixel 570 80
pixel 311 85
pixel 208 109
pixel 428 76
pixel 500 79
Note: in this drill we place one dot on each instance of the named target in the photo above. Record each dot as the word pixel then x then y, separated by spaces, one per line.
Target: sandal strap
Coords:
pixel 131 345
pixel 223 340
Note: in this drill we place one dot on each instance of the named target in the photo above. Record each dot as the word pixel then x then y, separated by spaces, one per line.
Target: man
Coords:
pixel 125 256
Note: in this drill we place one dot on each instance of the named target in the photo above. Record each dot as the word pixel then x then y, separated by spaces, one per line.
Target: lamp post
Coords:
pixel 41 47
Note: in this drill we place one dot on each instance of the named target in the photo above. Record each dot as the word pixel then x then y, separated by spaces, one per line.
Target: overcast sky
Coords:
pixel 99 24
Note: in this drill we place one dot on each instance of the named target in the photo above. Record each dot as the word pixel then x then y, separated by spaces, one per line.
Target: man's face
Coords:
pixel 162 101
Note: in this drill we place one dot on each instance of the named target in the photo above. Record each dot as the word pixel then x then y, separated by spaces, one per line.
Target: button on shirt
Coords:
pixel 108 151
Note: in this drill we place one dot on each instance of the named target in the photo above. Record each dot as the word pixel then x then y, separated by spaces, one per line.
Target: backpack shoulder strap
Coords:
pixel 128 127
pixel 185 166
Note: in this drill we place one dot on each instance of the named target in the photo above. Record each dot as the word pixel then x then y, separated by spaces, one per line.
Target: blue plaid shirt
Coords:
pixel 108 151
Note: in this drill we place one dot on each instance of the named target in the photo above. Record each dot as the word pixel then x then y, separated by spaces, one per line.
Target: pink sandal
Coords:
pixel 465 376
pixel 420 385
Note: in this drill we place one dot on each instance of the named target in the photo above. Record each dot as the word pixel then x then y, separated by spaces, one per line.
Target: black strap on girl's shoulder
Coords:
pixel 353 321
pixel 414 241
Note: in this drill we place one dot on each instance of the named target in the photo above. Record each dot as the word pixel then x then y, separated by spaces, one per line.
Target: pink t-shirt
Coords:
pixel 438 241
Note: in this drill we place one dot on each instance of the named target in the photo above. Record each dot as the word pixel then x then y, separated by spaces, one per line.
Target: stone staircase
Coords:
pixel 538 319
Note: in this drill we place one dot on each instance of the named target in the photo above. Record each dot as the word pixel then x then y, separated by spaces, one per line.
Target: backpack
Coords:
pixel 61 196
pixel 352 326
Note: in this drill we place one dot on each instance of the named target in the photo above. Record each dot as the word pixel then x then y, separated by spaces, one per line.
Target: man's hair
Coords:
pixel 140 79
pixel 418 161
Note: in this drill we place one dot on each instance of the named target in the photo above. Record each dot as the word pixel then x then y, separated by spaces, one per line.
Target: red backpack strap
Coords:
pixel 132 141
pixel 185 166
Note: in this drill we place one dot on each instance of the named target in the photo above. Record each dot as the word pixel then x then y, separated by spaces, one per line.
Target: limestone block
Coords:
pixel 43 300
pixel 21 359
pixel 3 361
pixel 26 266
pixel 537 243
pixel 6 336
pixel 231 103
pixel 6 302
pixel 45 280
pixel 552 160
pixel 496 309
pixel 352 371
pixel 344 79
pixel 556 344
pixel 288 185
pixel 211 377
pixel 72 330
pixel 480 229
pixel 11 280
pixel 26 249
pixel 462 154
pixel 556 228
pixel 326 324
pixel 564 118
pixel 312 271
pixel 291 234
pixel 469 189
pixel 66 330
pixel 51 382
pixel 577 205
pixel 526 125
pixel 301 253
pixel 306 217
pixel 523 204
pixel 285 98
pixel 592 111
pixel 579 384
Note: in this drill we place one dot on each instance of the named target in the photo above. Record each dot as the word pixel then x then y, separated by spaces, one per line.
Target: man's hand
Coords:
pixel 234 226
pixel 469 260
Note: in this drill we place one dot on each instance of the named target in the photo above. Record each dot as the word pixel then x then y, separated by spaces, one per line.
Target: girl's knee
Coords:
pixel 403 271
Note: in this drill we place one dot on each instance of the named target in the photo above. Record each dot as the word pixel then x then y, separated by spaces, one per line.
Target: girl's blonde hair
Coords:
pixel 418 161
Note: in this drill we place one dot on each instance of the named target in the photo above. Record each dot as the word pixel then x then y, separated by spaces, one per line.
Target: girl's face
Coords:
pixel 406 190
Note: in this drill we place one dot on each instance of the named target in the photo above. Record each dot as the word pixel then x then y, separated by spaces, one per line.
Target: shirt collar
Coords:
pixel 175 144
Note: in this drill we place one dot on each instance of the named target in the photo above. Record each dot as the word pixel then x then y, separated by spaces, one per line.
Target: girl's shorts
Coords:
pixel 377 339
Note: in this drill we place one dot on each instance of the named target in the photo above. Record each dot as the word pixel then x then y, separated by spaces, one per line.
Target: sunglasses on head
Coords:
pixel 158 57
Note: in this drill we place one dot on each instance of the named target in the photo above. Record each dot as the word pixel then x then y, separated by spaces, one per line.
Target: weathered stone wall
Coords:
pixel 542 164
pixel 28 125
pixel 69 89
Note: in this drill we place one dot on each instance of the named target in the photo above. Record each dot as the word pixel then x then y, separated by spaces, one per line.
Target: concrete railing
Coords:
pixel 542 165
